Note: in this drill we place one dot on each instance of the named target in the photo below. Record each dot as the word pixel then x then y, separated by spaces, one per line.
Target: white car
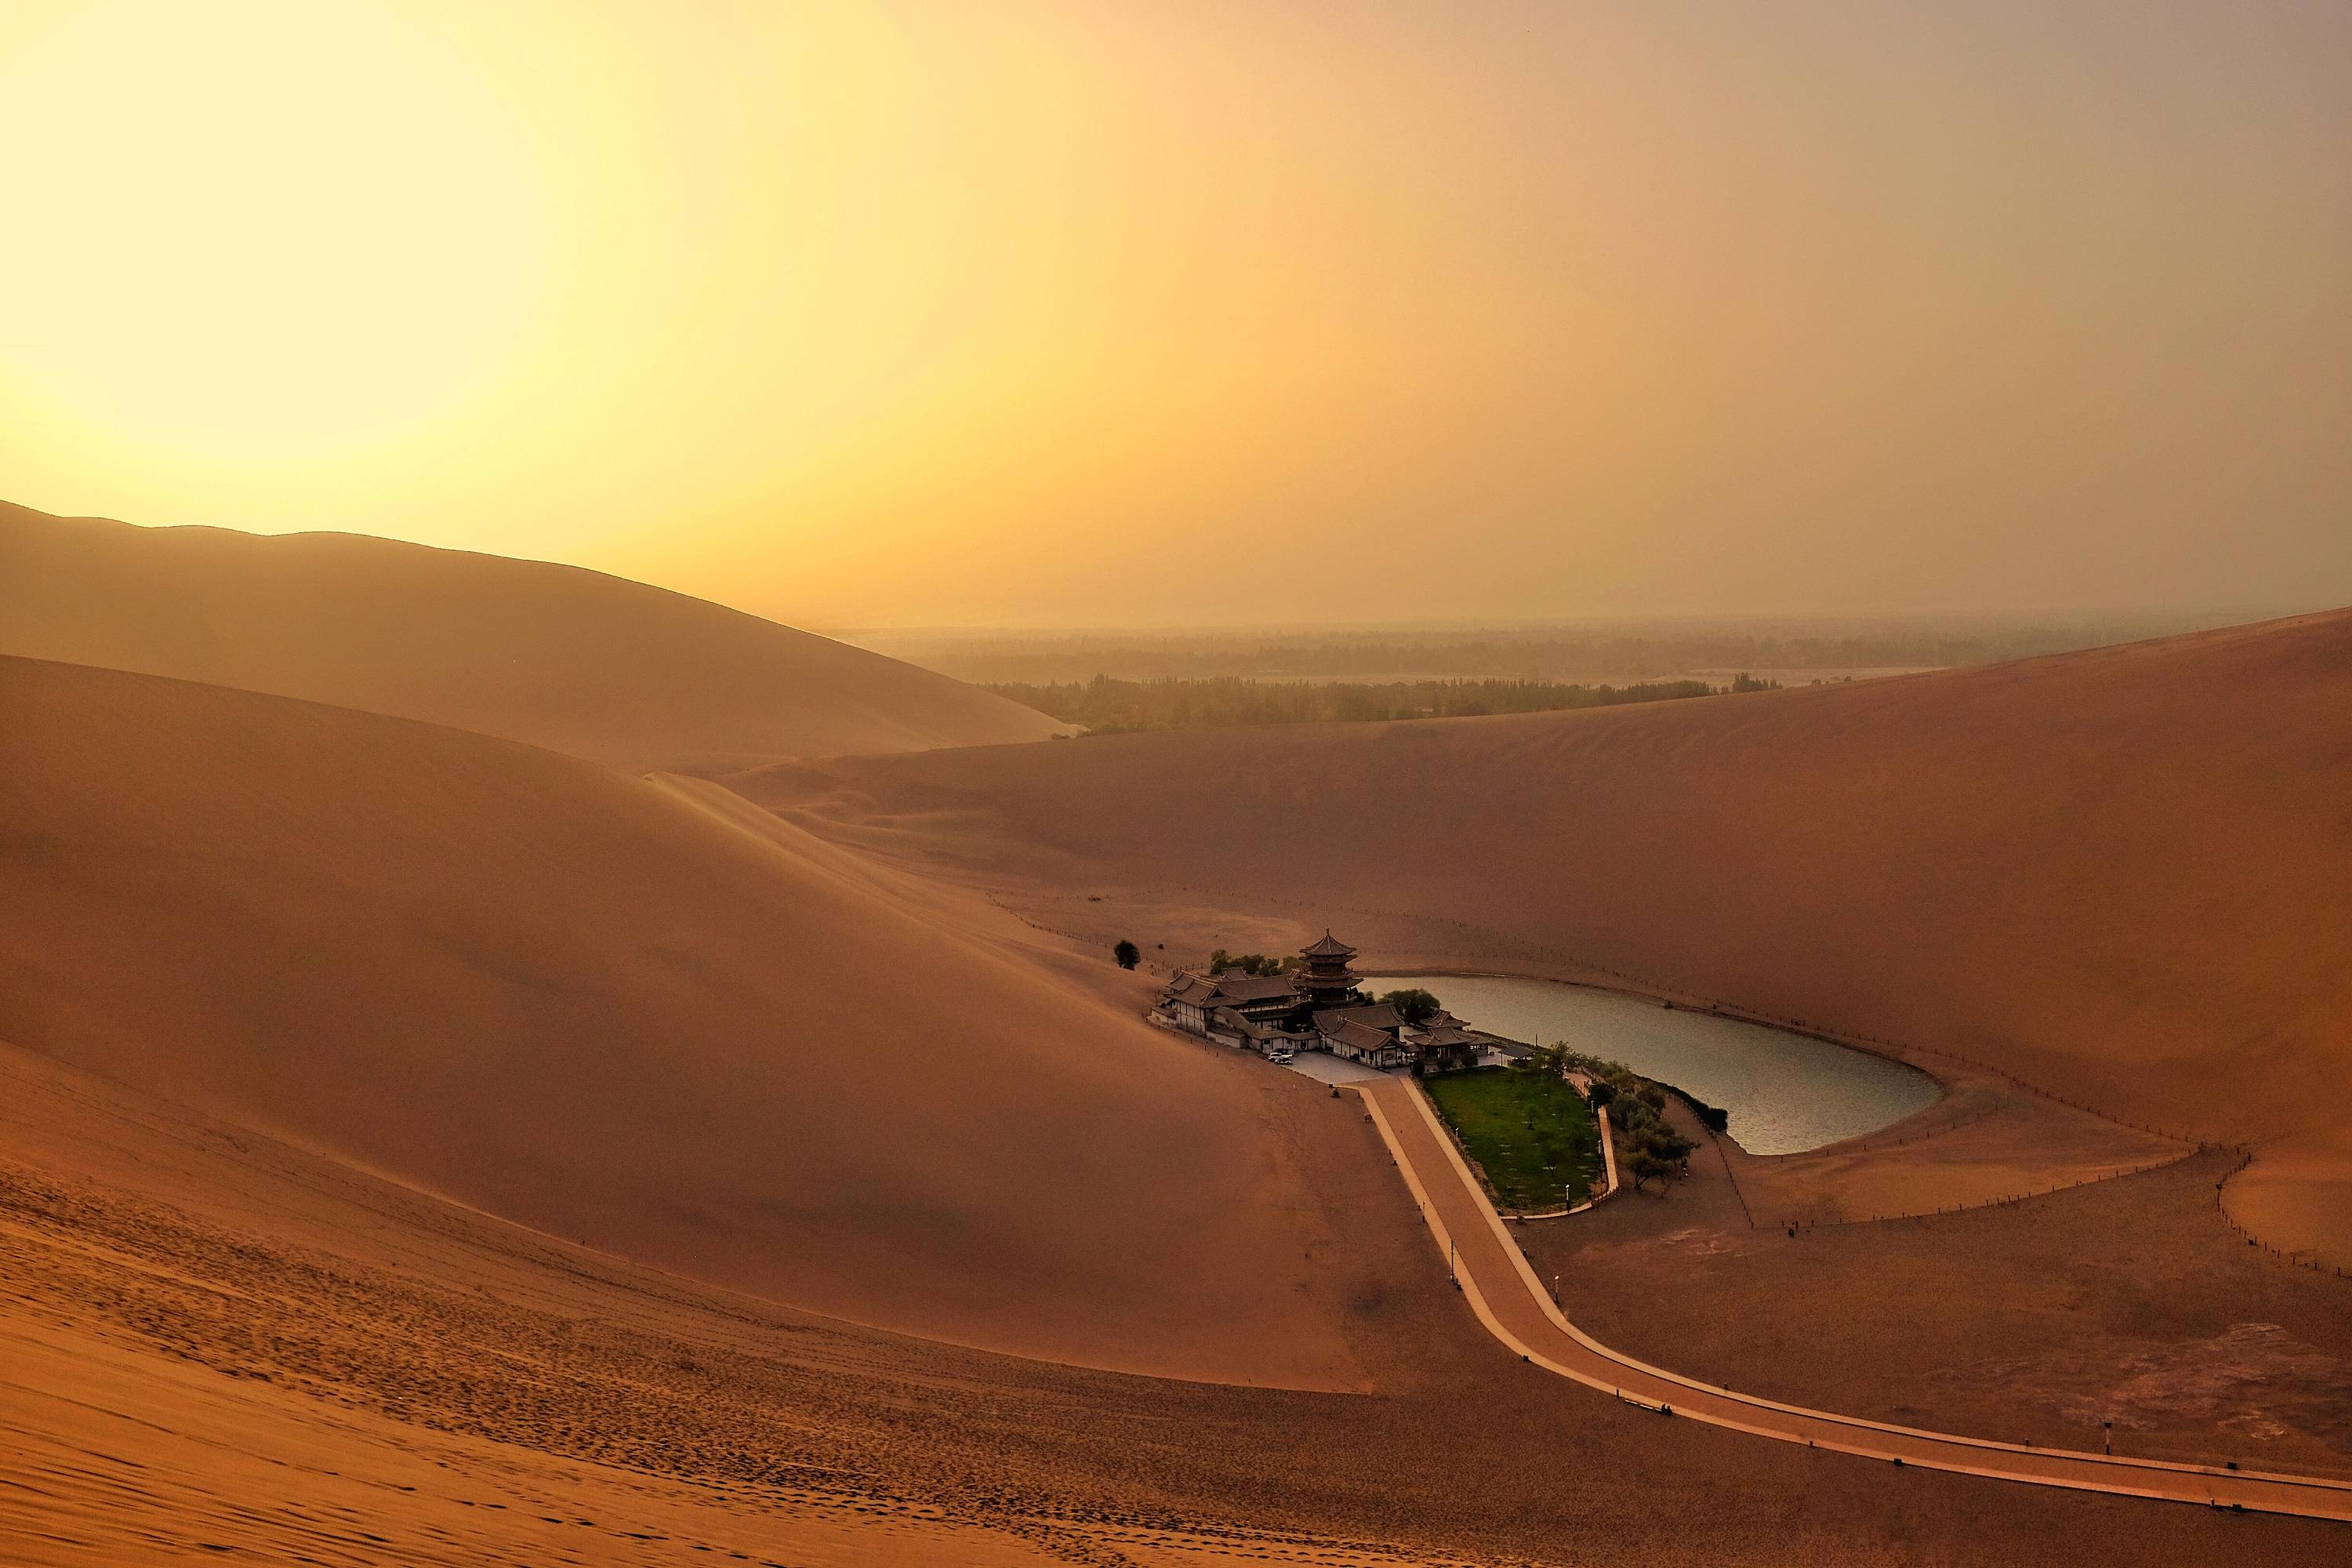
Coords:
pixel 1281 1055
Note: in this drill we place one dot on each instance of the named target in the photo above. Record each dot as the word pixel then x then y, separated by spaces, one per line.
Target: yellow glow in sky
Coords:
pixel 260 224
pixel 1034 312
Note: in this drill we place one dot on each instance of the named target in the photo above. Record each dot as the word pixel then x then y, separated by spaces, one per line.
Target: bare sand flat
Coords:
pixel 1985 1143
pixel 703 1040
pixel 2119 877
pixel 2130 1301
pixel 579 662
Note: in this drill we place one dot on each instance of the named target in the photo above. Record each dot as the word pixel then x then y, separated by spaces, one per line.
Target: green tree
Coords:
pixel 1127 952
pixel 1413 1005
pixel 1646 1166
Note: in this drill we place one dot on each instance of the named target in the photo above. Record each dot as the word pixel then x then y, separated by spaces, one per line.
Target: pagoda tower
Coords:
pixel 1327 981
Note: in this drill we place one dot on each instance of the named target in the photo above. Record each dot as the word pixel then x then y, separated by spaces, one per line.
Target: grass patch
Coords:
pixel 1530 1134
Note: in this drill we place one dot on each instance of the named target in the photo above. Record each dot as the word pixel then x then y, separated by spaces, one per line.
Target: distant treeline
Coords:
pixel 1621 653
pixel 1104 706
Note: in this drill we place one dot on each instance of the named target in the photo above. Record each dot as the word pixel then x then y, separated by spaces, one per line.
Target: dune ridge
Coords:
pixel 626 1012
pixel 2122 875
pixel 597 667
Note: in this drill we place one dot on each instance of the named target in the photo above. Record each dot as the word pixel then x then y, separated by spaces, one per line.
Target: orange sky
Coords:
pixel 1199 312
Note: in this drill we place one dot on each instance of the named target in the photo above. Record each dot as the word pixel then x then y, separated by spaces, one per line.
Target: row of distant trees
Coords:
pixel 1104 706
pixel 1618 650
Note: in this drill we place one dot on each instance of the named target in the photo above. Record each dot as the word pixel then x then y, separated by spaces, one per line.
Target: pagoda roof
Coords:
pixel 1330 947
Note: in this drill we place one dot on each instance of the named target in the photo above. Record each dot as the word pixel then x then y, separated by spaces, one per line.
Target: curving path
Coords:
pixel 1508 1299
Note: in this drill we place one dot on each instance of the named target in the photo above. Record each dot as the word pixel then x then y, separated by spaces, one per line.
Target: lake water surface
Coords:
pixel 1785 1092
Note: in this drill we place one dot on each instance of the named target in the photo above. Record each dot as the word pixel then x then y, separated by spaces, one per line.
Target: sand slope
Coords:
pixel 645 1015
pixel 216 1347
pixel 594 666
pixel 2124 875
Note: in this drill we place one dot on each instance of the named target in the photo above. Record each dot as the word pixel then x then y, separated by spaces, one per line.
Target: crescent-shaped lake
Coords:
pixel 1784 1092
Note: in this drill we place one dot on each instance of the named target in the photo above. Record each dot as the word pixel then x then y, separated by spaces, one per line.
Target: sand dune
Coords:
pixel 2122 875
pixel 214 1346
pixel 594 666
pixel 648 1016
pixel 645 1014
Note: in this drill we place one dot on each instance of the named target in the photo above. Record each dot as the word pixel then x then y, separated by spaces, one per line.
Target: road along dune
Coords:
pixel 648 1018
pixel 2120 876
pixel 597 667
pixel 1511 1303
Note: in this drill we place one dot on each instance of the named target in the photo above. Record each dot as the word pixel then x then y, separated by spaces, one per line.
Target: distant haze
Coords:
pixel 1618 649
pixel 1210 313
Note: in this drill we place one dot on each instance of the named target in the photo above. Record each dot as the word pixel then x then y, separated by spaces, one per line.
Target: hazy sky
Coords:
pixel 1008 313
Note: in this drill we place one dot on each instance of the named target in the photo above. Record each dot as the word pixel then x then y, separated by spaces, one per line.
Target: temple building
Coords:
pixel 1320 1005
pixel 1328 981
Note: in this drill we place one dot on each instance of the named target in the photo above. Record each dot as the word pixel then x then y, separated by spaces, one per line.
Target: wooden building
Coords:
pixel 1320 1006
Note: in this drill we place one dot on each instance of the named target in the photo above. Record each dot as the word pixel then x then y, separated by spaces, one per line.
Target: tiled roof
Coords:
pixel 1330 947
pixel 1237 987
pixel 1362 1037
pixel 1374 1014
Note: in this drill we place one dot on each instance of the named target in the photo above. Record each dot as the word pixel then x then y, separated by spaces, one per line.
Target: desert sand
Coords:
pixel 599 1007
pixel 1534 1318
pixel 2119 878
pixel 2132 1300
pixel 420 1146
pixel 576 661
pixel 215 1345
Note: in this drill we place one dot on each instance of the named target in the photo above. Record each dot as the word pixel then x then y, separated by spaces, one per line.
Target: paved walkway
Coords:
pixel 1324 1067
pixel 1505 1293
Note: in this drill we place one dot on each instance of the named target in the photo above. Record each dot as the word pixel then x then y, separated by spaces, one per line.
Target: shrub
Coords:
pixel 1413 1005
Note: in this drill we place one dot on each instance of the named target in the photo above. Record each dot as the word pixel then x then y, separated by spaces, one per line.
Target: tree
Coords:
pixel 1127 952
pixel 1656 1149
pixel 1413 1005
pixel 1645 1165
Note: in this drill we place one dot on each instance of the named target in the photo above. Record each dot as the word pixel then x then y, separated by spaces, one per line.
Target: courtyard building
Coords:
pixel 1318 1004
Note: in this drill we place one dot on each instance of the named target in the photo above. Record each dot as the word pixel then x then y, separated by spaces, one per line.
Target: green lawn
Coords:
pixel 1533 1135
